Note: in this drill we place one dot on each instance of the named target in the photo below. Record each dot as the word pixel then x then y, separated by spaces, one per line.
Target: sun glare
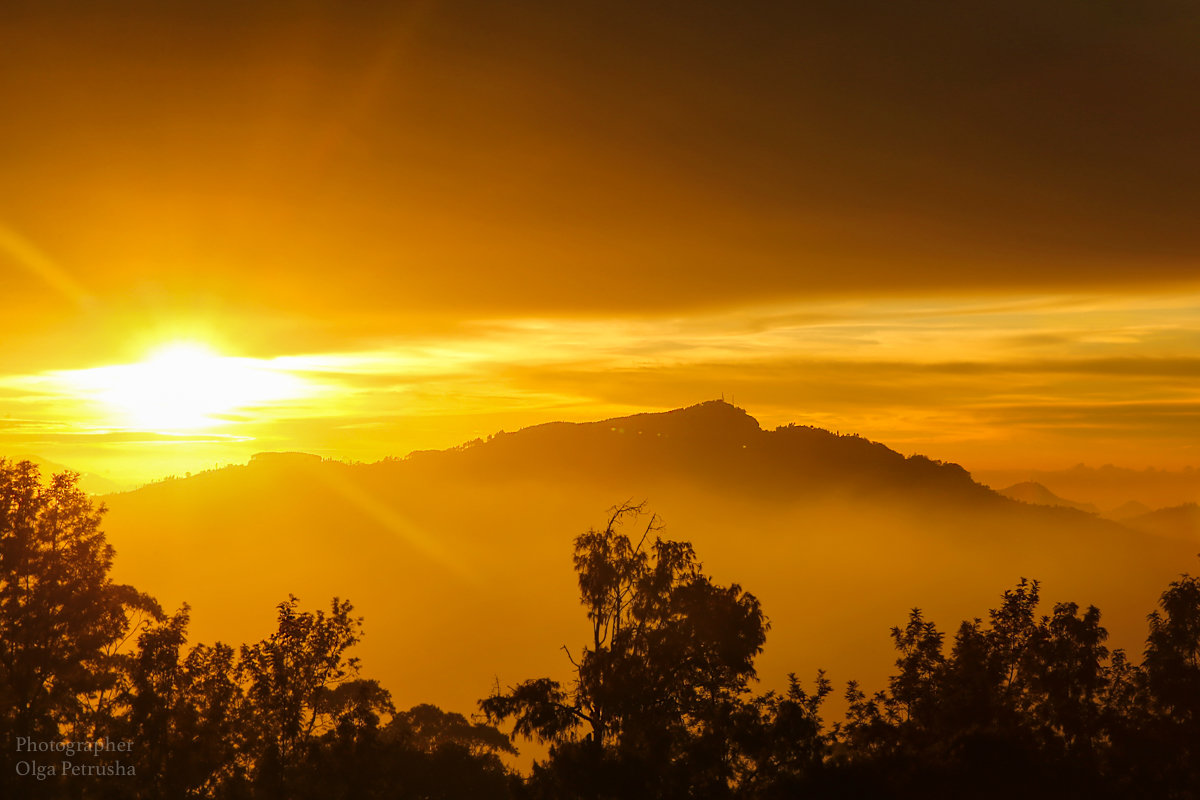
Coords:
pixel 185 387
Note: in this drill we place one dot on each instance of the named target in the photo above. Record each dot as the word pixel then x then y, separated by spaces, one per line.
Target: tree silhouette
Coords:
pixel 1018 703
pixel 186 712
pixel 288 717
pixel 1067 680
pixel 1171 678
pixel 921 664
pixel 781 743
pixel 427 728
pixel 82 658
pixel 296 683
pixel 62 620
pixel 670 655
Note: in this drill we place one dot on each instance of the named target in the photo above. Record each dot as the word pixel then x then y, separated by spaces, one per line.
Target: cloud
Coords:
pixel 466 161
pixel 915 374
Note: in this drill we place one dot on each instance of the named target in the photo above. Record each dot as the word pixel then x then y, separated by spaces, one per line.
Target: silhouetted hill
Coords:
pixel 460 560
pixel 92 484
pixel 1178 522
pixel 1107 486
pixel 1128 510
pixel 713 444
pixel 1035 493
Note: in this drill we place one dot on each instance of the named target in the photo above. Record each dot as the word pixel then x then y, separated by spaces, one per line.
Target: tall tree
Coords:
pixel 658 685
pixel 294 689
pixel 186 713
pixel 1172 678
pixel 62 620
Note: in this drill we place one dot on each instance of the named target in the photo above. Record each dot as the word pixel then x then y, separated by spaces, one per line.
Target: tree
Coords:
pixel 63 622
pixel 1172 681
pixel 185 712
pixel 654 691
pixel 294 689
pixel 1068 678
pixel 1173 651
pixel 427 728
pixel 1024 704
pixel 781 741
pixel 920 663
pixel 290 718
pixel 432 754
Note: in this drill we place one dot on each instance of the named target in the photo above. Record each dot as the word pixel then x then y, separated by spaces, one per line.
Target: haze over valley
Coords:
pixel 450 554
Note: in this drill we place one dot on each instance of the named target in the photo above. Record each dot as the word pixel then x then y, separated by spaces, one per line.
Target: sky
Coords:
pixel 965 230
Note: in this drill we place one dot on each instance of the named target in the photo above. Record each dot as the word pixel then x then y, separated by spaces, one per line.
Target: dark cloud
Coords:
pixel 1137 419
pixel 490 158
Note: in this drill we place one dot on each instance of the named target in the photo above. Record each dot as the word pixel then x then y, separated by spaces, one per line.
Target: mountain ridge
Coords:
pixel 1037 494
pixel 455 552
pixel 715 441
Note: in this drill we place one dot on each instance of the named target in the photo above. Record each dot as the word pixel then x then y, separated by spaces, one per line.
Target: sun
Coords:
pixel 186 386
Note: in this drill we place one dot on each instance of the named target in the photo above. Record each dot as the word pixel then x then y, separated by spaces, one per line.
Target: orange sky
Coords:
pixel 967 232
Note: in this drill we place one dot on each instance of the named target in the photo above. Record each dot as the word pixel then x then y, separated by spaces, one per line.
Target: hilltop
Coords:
pixel 455 553
pixel 1036 494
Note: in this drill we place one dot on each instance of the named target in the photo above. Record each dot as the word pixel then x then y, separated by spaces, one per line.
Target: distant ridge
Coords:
pixel 269 458
pixel 92 484
pixel 1177 522
pixel 1108 486
pixel 1128 510
pixel 1035 493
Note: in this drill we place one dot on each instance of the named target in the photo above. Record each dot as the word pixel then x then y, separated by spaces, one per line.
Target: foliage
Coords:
pixel 659 684
pixel 62 620
pixel 658 704
pixel 1022 703
pixel 84 659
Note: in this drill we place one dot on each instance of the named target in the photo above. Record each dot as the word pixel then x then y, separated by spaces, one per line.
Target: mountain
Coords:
pixel 1128 510
pixel 714 445
pixel 1036 494
pixel 460 560
pixel 1108 486
pixel 89 482
pixel 1178 522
